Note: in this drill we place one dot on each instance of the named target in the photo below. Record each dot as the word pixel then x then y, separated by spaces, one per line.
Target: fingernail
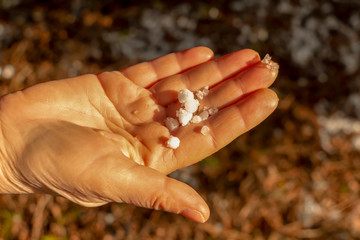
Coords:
pixel 193 215
pixel 206 53
pixel 274 100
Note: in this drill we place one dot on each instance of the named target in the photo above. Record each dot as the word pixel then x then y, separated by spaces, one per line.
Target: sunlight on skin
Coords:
pixel 101 138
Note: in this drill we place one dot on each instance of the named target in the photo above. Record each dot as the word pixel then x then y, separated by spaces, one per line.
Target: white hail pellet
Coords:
pixel 173 142
pixel 270 64
pixel 212 111
pixel 191 105
pixel 171 123
pixel 266 59
pixel 204 115
pixel 204 130
pixel 185 95
pixel 196 119
pixel 184 116
pixel 200 94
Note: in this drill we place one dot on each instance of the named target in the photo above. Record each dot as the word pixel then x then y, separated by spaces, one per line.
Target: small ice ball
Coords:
pixel 204 130
pixel 191 105
pixel 200 94
pixel 185 95
pixel 184 116
pixel 270 64
pixel 173 142
pixel 171 123
pixel 212 111
pixel 266 59
pixel 196 119
pixel 204 115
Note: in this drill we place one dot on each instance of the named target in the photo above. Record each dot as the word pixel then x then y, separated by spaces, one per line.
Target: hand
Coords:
pixel 101 138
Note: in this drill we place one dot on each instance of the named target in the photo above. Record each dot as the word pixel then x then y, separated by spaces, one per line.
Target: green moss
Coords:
pixel 5 227
pixel 50 237
pixel 211 161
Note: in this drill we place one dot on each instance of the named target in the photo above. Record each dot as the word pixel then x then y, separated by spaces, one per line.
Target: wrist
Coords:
pixel 10 181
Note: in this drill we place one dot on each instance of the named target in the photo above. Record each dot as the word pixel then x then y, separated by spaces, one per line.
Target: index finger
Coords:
pixel 207 74
pixel 147 73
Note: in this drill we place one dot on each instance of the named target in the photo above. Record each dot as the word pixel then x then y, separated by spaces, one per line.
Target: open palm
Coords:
pixel 101 138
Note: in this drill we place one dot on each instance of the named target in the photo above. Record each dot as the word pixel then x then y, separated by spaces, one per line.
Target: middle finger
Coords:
pixel 208 74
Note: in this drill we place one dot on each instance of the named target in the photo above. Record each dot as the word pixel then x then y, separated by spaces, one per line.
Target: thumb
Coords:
pixel 129 182
pixel 152 189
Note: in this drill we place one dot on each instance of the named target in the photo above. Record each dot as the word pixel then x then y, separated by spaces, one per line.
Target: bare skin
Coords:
pixel 96 139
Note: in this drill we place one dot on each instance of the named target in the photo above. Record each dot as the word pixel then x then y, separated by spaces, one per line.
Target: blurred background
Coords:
pixel 295 176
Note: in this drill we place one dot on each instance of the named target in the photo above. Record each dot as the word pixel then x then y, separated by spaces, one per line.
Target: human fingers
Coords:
pixel 256 77
pixel 147 73
pixel 260 75
pixel 118 181
pixel 207 74
pixel 224 127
